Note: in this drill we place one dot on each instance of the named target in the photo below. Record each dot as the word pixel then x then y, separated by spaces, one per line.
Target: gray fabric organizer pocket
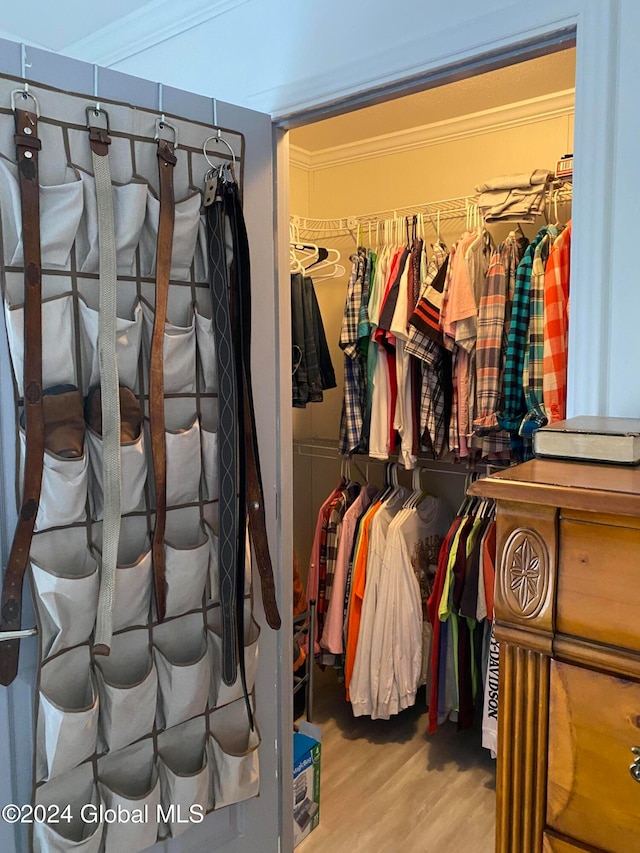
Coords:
pixel 128 779
pixel 63 494
pixel 65 577
pixel 67 725
pixel 133 473
pixel 179 350
pixel 58 341
pixel 187 556
pixel 83 832
pixel 128 686
pixel 183 462
pixel 234 755
pixel 185 777
pixel 181 657
pixel 221 693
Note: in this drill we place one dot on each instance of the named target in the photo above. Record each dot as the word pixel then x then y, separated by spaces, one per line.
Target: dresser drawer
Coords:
pixel 598 591
pixel 551 844
pixel 594 721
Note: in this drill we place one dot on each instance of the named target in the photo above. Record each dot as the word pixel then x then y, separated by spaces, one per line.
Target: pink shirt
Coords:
pixel 332 639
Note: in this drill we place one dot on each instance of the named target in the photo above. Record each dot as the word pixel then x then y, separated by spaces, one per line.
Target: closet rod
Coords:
pixel 448 208
pixel 326 451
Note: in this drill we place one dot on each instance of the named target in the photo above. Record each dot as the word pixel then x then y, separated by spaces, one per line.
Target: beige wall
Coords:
pixel 434 172
pixel 299 191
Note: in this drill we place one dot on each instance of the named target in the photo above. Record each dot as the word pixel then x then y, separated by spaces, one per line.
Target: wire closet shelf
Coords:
pixel 443 209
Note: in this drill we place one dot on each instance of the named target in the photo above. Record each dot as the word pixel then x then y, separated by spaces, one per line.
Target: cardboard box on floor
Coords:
pixel 306 780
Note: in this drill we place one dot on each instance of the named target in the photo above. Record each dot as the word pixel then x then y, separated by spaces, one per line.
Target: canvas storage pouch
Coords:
pixel 133 462
pixel 63 492
pixel 206 350
pixel 209 447
pixel 128 686
pixel 185 234
pixel 233 755
pixel 128 783
pixel 183 464
pixel 73 796
pixel 67 725
pixel 185 778
pixel 129 209
pixel 128 342
pixel 179 349
pixel 65 578
pixel 58 341
pixel 60 212
pixel 221 693
pixel 181 658
pixel 134 575
pixel 187 552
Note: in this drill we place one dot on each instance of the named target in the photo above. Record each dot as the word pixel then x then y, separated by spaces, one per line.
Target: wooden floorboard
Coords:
pixel 389 787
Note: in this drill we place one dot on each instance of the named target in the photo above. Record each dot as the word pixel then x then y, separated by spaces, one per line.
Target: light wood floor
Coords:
pixel 389 787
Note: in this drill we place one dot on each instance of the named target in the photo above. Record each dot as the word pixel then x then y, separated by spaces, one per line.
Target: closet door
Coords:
pixel 256 824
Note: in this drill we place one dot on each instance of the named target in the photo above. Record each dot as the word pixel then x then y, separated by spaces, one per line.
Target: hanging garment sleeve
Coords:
pixel 254 491
pixel 228 502
pixel 109 383
pixel 27 147
pixel 166 163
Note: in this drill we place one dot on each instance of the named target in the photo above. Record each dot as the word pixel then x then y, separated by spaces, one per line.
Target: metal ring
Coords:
pixel 25 96
pixel 217 139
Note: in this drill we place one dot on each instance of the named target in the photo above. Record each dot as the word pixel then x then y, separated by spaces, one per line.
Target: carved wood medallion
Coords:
pixel 525 572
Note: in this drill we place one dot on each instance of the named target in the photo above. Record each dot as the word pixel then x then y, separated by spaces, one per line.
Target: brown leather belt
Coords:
pixel 166 163
pixel 27 147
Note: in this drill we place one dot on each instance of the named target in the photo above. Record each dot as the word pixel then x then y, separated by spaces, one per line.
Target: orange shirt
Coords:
pixel 358 582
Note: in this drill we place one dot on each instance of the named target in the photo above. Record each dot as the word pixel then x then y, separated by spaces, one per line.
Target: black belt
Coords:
pixel 241 494
pixel 27 147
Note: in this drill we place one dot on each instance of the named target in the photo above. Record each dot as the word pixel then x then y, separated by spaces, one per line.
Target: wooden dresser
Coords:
pixel 568 617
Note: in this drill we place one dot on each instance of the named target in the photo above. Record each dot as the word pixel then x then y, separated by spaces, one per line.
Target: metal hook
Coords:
pixel 24 65
pixel 217 139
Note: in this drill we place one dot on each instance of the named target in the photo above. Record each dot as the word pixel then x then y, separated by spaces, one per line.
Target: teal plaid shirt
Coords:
pixel 514 400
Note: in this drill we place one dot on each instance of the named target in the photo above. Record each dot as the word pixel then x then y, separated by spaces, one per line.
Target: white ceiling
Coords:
pixel 534 78
pixel 32 22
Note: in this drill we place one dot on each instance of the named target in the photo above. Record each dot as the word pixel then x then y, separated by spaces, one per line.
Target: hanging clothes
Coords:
pixel 457 610
pixel 494 320
pixel 332 636
pixel 312 370
pixel 352 438
pixel 556 327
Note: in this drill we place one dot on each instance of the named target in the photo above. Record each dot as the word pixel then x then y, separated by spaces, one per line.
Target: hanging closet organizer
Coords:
pixel 154 723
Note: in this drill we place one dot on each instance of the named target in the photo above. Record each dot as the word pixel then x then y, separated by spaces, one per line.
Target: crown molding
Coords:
pixel 151 24
pixel 531 111
pixel 301 158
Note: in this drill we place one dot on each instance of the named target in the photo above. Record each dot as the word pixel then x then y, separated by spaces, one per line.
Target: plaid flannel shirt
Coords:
pixel 556 326
pixel 514 403
pixel 354 404
pixel 533 368
pixel 433 415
